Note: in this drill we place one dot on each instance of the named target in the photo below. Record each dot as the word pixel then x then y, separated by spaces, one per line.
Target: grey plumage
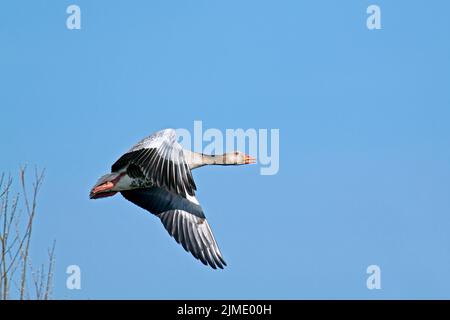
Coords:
pixel 183 219
pixel 159 161
pixel 155 174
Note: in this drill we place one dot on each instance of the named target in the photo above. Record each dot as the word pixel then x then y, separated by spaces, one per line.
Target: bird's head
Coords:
pixel 237 158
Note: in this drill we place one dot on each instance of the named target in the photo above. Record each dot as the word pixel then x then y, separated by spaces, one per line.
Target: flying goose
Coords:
pixel 155 174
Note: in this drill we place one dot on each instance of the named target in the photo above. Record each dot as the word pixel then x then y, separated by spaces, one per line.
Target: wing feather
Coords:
pixel 161 160
pixel 195 235
pixel 183 219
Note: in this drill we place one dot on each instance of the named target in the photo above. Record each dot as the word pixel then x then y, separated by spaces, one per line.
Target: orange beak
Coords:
pixel 249 160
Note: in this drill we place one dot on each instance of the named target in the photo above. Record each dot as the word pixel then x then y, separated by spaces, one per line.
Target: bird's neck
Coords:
pixel 220 160
pixel 199 159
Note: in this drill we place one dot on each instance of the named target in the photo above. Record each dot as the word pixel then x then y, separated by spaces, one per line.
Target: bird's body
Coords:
pixel 155 174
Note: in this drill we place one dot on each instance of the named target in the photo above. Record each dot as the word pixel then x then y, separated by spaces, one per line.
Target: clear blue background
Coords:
pixel 364 126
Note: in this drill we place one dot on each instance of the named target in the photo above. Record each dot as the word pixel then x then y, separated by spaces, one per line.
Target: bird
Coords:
pixel 156 175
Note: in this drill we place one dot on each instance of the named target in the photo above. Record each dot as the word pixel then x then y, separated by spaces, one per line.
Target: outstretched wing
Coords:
pixel 159 158
pixel 195 235
pixel 183 219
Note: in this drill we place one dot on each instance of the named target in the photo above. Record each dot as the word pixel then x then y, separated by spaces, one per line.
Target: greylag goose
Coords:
pixel 155 174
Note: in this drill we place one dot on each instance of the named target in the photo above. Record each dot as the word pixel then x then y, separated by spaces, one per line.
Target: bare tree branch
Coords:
pixel 16 241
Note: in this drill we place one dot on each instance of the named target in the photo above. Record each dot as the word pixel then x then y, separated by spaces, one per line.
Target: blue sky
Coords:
pixel 364 141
